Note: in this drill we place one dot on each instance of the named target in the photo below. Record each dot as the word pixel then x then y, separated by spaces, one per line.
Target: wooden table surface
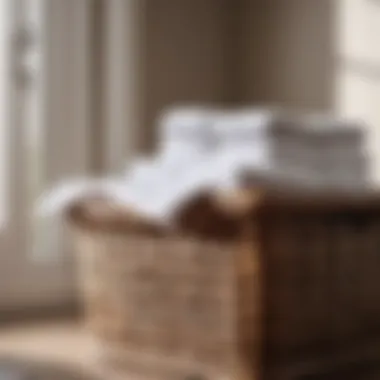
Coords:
pixel 63 344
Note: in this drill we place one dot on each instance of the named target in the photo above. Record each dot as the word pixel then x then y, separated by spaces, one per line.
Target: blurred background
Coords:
pixel 83 81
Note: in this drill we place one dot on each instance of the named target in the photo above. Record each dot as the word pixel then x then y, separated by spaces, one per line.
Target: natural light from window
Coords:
pixel 4 96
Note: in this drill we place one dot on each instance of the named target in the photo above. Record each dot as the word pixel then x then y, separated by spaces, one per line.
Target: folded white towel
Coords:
pixel 202 150
pixel 187 129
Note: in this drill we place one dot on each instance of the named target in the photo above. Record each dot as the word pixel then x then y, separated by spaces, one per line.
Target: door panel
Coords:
pixel 47 141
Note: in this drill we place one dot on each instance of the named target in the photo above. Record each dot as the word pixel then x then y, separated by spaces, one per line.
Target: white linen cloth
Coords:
pixel 202 149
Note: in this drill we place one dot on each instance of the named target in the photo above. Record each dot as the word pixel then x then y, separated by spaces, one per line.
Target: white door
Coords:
pixel 50 49
pixel 44 130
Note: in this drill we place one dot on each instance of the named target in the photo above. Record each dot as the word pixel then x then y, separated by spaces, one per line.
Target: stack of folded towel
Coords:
pixel 202 149
pixel 307 150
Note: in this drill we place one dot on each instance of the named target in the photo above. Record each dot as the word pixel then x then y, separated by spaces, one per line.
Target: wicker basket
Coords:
pixel 320 273
pixel 168 304
pixel 287 290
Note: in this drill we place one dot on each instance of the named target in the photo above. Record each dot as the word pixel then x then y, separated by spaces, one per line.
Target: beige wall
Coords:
pixel 287 52
pixel 357 91
pixel 245 51
pixel 184 54
pixel 320 54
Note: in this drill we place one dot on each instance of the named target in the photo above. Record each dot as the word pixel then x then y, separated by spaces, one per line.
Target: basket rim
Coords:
pixel 322 201
pixel 230 209
pixel 102 214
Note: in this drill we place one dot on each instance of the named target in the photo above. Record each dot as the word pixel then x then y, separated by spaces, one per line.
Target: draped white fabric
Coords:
pixel 207 150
